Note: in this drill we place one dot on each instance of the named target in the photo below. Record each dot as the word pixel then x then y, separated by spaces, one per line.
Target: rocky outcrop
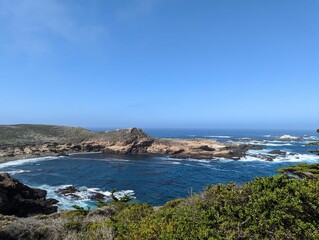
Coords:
pixel 278 152
pixel 66 140
pixel 22 201
pixel 271 155
pixel 290 138
pixel 73 193
pixel 198 149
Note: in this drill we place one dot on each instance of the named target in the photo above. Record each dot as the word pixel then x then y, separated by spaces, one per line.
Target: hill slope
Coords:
pixel 29 140
pixel 40 134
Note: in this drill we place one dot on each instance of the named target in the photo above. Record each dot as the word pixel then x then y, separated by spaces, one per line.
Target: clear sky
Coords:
pixel 160 63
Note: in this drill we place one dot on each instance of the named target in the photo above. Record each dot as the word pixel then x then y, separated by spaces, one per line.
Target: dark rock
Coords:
pixel 108 151
pixel 97 196
pixel 292 154
pixel 206 148
pixel 22 201
pixel 70 192
pixel 178 151
pixel 265 157
pixel 277 152
pixel 256 147
pixel 76 148
pixel 67 190
pixel 139 146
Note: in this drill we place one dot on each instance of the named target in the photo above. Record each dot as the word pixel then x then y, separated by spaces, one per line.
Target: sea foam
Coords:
pixel 26 161
pixel 83 196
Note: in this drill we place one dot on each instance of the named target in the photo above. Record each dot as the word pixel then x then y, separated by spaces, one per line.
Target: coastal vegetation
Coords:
pixel 302 171
pixel 278 207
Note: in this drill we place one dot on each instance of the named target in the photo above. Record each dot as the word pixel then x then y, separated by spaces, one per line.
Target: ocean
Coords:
pixel 157 180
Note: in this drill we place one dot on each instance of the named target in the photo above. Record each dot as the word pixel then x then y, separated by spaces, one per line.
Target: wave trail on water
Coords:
pixel 26 161
pixel 13 172
pixel 213 136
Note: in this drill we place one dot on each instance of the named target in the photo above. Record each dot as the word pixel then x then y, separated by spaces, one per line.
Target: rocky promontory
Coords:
pixel 21 200
pixel 25 141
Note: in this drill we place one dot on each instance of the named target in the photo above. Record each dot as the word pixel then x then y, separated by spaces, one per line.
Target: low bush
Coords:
pixel 267 208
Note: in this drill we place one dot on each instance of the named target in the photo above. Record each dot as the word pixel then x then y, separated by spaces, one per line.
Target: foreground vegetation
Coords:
pixel 275 207
pixel 302 171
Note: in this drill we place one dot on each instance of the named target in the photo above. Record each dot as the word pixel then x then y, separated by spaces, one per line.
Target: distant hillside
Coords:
pixel 30 140
pixel 38 134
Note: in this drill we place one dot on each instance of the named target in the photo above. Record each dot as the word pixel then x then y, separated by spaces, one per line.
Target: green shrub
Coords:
pixel 128 219
pixel 267 208
pixel 302 170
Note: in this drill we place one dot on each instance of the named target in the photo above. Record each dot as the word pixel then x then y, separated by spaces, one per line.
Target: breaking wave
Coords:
pixel 83 198
pixel 26 161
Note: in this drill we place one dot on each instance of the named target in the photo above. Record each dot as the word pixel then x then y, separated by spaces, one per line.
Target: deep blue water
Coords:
pixel 159 179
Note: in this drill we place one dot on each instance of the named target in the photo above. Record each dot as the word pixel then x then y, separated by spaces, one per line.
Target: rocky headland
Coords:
pixel 26 141
pixel 21 200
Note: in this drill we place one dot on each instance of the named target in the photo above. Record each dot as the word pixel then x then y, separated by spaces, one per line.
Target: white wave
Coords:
pixel 199 160
pixel 268 135
pixel 225 160
pixel 175 163
pixel 289 157
pixel 311 137
pixel 64 202
pixel 276 144
pixel 122 193
pixel 267 143
pixel 213 167
pixel 184 161
pixel 290 138
pixel 13 172
pixel 97 190
pixel 26 161
pixel 249 158
pixel 81 198
pixel 84 153
pixel 213 136
pixel 117 160
pixel 298 158
pixel 256 152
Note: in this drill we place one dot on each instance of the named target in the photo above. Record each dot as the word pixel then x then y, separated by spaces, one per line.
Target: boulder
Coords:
pixel 21 200
pixel 290 138
pixel 277 152
pixel 67 190
pixel 72 192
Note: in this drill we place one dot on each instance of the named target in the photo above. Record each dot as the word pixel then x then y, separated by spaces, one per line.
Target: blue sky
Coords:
pixel 160 63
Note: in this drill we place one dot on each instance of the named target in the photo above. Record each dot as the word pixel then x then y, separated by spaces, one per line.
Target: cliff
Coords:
pixel 21 200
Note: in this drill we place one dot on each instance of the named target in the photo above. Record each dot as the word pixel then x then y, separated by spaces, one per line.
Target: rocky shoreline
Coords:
pixel 23 201
pixel 67 140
